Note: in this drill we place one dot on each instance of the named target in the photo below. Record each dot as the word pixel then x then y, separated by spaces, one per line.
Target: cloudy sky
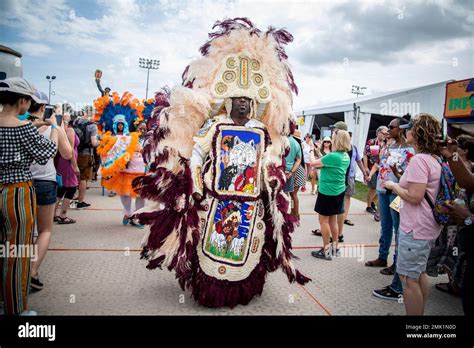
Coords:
pixel 383 45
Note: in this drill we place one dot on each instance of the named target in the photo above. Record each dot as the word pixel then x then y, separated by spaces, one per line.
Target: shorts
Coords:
pixel 289 184
pixel 373 182
pixel 45 192
pixel 350 188
pixel 412 255
pixel 85 164
pixel 329 205
pixel 66 192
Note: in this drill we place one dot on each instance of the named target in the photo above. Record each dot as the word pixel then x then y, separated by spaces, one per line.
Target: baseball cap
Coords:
pixel 41 98
pixel 21 86
pixel 327 139
pixel 339 125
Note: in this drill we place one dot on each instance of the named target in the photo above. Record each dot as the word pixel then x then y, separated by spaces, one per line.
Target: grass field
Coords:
pixel 360 191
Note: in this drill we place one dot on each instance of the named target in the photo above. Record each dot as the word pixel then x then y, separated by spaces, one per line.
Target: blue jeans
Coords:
pixel 389 221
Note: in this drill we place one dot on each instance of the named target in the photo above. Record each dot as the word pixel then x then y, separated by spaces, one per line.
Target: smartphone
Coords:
pixel 48 112
pixel 59 119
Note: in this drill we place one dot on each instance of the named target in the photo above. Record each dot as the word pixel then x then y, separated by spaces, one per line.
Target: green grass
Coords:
pixel 360 191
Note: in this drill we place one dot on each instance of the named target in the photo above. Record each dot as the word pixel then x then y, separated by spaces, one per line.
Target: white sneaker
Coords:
pixel 28 313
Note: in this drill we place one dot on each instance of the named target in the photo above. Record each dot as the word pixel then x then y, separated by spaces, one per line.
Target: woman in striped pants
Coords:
pixel 20 146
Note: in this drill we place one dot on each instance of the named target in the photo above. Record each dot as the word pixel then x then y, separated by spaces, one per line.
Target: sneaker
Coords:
pixel 373 206
pixel 322 254
pixel 370 210
pixel 136 224
pixel 36 284
pixel 28 313
pixel 125 220
pixel 82 205
pixel 387 293
pixel 73 205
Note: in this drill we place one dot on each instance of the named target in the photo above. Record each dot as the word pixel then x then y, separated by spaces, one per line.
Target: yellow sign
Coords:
pixel 300 121
pixel 459 99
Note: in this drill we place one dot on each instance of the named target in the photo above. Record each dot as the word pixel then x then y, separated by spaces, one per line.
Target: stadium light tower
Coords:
pixel 50 80
pixel 148 64
pixel 358 90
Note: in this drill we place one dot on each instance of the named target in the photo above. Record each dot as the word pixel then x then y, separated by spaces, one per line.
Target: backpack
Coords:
pixel 447 192
pixel 81 130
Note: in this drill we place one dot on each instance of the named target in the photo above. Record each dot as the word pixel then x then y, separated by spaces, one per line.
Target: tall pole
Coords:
pixel 148 64
pixel 147 80
pixel 50 80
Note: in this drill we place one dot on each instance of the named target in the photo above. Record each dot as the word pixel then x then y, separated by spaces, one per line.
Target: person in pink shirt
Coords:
pixel 418 228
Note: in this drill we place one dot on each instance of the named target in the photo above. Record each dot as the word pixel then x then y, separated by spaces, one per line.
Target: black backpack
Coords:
pixel 84 136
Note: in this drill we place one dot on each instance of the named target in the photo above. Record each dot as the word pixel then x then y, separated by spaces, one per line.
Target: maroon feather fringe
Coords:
pixel 215 293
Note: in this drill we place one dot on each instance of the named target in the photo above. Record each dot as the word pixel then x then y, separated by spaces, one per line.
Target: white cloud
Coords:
pixel 33 49
pixel 173 31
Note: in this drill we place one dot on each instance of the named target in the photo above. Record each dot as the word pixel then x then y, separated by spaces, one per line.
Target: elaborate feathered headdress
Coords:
pixel 108 107
pixel 241 60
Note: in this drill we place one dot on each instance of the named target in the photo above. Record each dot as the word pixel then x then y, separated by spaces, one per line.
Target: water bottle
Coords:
pixel 460 198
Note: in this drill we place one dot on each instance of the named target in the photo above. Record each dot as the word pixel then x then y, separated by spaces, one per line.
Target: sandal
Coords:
pixel 317 232
pixel 377 216
pixel 348 222
pixel 65 221
pixel 447 287
pixel 56 218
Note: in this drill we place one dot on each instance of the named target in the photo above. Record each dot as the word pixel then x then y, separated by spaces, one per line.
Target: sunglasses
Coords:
pixel 392 127
pixel 326 142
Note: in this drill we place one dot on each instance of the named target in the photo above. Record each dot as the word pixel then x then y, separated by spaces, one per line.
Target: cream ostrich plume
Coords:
pixel 193 103
pixel 234 36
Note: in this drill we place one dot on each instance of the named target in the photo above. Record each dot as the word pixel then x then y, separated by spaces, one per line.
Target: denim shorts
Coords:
pixel 412 255
pixel 45 192
pixel 289 185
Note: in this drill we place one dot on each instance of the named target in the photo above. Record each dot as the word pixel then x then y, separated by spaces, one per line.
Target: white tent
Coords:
pixel 358 111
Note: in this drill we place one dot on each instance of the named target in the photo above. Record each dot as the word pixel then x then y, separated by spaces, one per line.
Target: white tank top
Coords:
pixel 48 171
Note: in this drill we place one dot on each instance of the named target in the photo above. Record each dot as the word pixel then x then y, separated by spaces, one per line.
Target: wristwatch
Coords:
pixel 469 220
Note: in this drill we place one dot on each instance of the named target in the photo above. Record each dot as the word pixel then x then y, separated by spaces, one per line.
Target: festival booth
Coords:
pixel 365 114
pixel 458 110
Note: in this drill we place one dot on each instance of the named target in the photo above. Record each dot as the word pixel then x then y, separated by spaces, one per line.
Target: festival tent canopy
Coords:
pixel 358 112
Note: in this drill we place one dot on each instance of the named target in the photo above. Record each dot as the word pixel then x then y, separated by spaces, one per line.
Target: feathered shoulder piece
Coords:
pixel 108 107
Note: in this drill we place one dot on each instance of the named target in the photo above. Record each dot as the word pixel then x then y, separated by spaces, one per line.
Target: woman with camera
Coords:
pixel 44 178
pixel 20 146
